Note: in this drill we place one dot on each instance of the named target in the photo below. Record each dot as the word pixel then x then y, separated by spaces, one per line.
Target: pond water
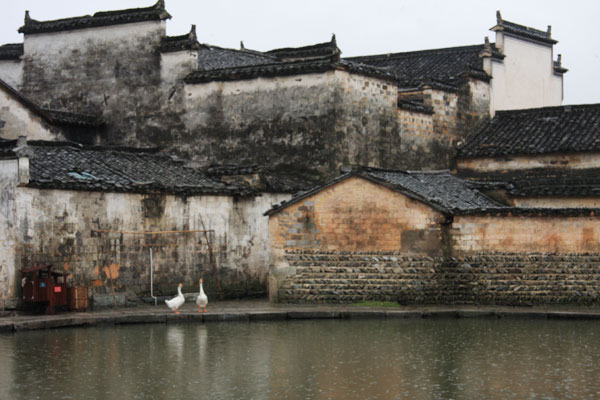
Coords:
pixel 331 359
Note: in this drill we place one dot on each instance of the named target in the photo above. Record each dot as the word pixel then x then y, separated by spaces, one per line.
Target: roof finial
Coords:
pixel 487 48
pixel 333 39
pixel 192 33
pixel 549 30
pixel 242 45
pixel 27 17
pixel 160 7
pixel 498 17
pixel 486 44
pixel 559 59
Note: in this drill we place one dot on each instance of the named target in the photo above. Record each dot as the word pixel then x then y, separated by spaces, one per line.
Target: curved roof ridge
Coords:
pixel 426 51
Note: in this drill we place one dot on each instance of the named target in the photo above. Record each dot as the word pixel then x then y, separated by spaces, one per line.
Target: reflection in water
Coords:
pixel 175 344
pixel 338 359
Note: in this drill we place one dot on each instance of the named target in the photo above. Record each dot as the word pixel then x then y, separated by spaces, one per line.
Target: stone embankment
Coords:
pixel 261 310
pixel 493 279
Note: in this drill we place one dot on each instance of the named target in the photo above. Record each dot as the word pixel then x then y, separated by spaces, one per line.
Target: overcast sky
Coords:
pixel 361 27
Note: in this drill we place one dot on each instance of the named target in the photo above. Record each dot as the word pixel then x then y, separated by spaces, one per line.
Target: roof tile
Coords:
pixel 156 12
pixel 11 51
pixel 70 166
pixel 415 68
pixel 563 129
pixel 440 190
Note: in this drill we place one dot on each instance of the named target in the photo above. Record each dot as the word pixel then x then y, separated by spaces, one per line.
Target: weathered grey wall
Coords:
pixel 11 72
pixel 8 182
pixel 114 71
pixel 318 121
pixel 55 226
pixel 492 278
pixel 21 121
pixel 430 139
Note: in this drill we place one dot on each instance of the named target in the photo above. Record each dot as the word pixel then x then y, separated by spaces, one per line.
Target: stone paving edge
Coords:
pixel 123 318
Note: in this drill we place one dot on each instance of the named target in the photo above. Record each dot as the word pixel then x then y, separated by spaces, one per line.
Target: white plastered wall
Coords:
pixel 40 219
pixel 525 78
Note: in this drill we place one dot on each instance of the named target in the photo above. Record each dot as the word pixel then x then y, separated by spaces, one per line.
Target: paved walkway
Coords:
pixel 262 310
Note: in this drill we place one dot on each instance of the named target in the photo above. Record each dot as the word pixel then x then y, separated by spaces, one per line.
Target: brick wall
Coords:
pixel 492 278
pixel 357 215
pixel 525 234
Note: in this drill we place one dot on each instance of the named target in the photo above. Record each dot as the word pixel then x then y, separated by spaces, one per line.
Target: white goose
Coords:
pixel 201 300
pixel 176 301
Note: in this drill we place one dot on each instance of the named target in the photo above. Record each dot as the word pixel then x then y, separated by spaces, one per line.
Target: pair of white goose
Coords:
pixel 178 300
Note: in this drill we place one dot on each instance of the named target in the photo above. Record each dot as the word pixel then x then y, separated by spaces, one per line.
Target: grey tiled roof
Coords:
pixel 447 65
pixel 279 68
pixel 542 182
pixel 415 103
pixel 181 42
pixel 156 12
pixel 217 58
pixel 11 51
pixel 270 179
pixel 440 190
pixel 564 129
pixel 56 117
pixel 70 166
pixel 319 50
pixel 219 64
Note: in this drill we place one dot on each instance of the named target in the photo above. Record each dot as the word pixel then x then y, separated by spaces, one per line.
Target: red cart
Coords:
pixel 43 286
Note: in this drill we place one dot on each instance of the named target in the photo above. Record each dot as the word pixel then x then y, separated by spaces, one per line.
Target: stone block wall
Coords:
pixel 428 140
pixel 493 278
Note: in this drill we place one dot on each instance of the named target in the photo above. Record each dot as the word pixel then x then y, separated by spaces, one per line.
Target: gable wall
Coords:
pixel 109 70
pixel 357 215
pixel 525 78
